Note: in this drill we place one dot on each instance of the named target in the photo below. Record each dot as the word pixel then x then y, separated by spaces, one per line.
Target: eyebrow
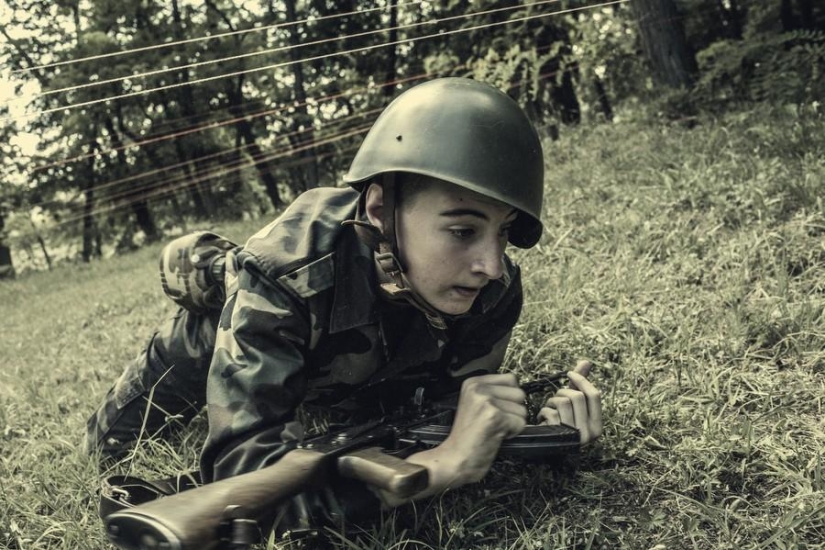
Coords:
pixel 458 212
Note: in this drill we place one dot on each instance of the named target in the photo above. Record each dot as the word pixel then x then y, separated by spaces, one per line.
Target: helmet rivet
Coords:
pixel 398 137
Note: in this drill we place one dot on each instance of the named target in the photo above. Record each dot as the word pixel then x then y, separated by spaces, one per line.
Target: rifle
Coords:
pixel 233 512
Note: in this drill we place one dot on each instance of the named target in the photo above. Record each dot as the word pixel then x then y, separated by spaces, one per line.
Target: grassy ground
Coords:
pixel 688 264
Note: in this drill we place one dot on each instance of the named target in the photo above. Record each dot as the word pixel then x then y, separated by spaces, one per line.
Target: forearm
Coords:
pixel 444 471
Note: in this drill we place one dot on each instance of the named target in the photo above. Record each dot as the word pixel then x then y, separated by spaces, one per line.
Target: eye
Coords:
pixel 462 232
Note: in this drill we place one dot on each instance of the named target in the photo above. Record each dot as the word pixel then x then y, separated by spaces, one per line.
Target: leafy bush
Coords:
pixel 780 68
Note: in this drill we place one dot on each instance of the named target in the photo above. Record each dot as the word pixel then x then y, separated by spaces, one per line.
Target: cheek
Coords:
pixel 429 258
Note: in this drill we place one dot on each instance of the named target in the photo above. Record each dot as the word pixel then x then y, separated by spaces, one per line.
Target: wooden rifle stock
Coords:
pixel 207 518
pixel 192 519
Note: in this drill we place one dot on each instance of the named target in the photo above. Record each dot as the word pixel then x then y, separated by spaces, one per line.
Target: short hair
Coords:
pixel 408 186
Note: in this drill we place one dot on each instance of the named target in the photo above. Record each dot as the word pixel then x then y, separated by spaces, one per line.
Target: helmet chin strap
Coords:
pixel 385 245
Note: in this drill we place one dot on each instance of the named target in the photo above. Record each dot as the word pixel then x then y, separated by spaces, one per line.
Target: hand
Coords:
pixel 579 406
pixel 490 409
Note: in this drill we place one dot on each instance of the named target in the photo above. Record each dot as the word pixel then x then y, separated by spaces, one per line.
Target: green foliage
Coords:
pixel 786 68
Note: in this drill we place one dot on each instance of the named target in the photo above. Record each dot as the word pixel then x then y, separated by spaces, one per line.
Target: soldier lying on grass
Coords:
pixel 355 297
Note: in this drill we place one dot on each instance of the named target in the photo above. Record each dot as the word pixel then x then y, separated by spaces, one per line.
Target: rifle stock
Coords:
pixel 202 518
pixel 191 519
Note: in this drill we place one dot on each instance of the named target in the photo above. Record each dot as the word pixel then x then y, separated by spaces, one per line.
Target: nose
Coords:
pixel 489 261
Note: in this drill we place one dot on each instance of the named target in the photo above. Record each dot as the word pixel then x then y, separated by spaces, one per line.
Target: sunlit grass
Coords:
pixel 688 265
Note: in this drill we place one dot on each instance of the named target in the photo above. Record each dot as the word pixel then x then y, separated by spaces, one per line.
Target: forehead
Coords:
pixel 439 194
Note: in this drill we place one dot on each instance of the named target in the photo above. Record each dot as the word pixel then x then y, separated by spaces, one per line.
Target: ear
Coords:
pixel 374 205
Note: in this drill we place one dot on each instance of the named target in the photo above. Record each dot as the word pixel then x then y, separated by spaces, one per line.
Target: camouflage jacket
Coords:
pixel 303 324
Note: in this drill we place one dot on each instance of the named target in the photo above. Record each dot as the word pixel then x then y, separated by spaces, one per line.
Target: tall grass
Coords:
pixel 687 264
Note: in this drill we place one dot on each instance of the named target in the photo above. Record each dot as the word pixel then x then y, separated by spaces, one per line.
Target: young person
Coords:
pixel 355 297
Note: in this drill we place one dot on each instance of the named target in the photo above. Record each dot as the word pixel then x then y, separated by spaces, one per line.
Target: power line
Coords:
pixel 160 190
pixel 314 58
pixel 204 38
pixel 217 124
pixel 286 48
pixel 191 182
pixel 220 168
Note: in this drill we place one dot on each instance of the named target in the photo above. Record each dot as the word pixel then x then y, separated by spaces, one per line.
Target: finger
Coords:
pixel 564 408
pixel 504 393
pixel 578 374
pixel 501 419
pixel 507 421
pixel 504 379
pixel 583 367
pixel 516 425
pixel 594 404
pixel 510 407
pixel 581 418
pixel 549 416
pixel 579 382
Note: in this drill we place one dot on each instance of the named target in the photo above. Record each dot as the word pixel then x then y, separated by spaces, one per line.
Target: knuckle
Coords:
pixel 470 383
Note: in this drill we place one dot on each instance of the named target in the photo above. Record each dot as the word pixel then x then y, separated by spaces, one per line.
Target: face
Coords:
pixel 452 242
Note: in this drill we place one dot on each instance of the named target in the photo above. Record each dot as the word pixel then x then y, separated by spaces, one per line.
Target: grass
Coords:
pixel 687 264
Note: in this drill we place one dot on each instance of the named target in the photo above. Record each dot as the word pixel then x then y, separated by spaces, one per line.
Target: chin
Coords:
pixel 454 309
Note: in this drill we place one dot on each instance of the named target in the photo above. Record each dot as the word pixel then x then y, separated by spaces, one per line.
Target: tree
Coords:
pixel 671 59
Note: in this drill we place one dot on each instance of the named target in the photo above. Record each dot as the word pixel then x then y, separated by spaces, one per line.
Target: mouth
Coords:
pixel 466 291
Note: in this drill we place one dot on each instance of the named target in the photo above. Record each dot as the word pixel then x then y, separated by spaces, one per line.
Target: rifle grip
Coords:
pixel 389 473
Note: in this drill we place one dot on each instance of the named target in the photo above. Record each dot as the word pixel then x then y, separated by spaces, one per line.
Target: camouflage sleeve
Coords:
pixel 256 379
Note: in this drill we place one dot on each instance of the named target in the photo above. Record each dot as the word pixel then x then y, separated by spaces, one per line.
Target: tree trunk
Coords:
pixel 135 198
pixel 604 101
pixel 389 89
pixel 201 193
pixel 43 249
pixel 565 96
pixel 245 132
pixel 89 225
pixel 6 264
pixel 806 14
pixel 786 16
pixel 671 59
pixel 308 170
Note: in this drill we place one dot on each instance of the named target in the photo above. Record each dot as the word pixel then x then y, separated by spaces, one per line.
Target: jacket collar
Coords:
pixel 354 301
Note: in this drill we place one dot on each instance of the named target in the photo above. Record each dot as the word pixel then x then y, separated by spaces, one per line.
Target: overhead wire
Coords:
pixel 181 164
pixel 231 150
pixel 290 47
pixel 191 182
pixel 231 121
pixel 217 124
pixel 362 49
pixel 292 150
pixel 220 168
pixel 134 177
pixel 210 125
pixel 282 24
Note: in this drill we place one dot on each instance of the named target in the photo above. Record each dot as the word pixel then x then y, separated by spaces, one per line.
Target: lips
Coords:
pixel 467 291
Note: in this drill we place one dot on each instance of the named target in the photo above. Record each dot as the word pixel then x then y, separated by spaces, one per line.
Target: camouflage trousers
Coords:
pixel 161 390
pixel 164 387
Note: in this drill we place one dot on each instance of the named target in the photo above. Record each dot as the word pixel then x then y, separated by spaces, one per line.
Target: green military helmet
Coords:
pixel 465 132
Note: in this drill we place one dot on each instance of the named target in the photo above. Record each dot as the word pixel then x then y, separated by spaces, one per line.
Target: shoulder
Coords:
pixel 297 248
